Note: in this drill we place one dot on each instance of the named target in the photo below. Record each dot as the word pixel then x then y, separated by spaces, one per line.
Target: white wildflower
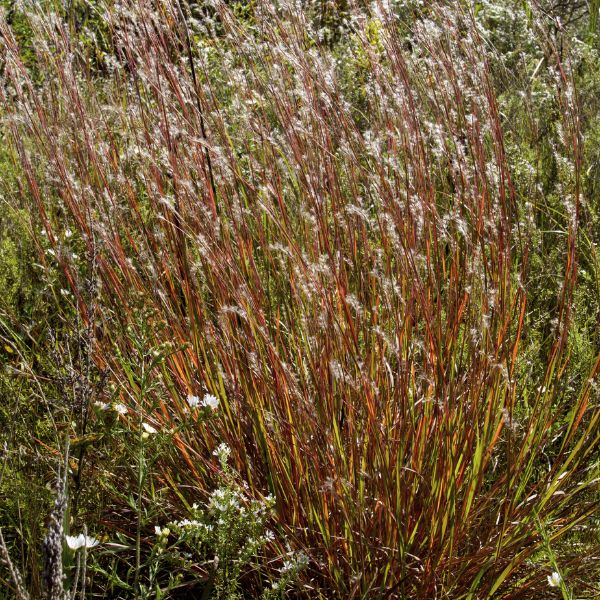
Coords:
pixel 193 401
pixel 288 565
pixel 222 451
pixel 148 428
pixel 269 535
pixel 210 401
pixel 554 579
pixel 80 541
pixel 189 523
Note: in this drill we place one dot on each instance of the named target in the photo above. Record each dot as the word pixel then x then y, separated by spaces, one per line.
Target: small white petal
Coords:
pixel 75 541
pixel 148 428
pixel 193 401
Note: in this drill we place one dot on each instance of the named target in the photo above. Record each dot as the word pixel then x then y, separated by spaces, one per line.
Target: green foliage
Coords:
pixel 224 539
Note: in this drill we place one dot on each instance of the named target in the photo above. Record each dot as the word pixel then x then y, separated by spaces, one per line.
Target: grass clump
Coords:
pixel 334 241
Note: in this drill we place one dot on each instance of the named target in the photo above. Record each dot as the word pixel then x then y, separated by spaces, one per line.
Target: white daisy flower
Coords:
pixel 193 401
pixel 210 401
pixel 80 541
